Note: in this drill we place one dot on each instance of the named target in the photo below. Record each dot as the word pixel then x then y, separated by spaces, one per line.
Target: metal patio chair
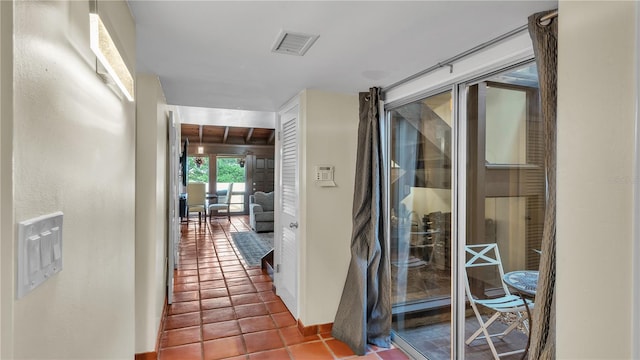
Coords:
pixel 483 255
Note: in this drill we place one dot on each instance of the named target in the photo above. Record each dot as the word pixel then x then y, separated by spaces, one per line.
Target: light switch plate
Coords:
pixel 39 251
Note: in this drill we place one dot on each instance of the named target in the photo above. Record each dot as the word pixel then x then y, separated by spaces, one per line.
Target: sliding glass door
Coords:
pixel 505 193
pixel 465 167
pixel 420 226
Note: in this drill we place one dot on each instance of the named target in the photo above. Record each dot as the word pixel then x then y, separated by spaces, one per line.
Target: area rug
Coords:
pixel 253 246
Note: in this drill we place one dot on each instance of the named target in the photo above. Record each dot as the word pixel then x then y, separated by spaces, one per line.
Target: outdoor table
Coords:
pixel 524 281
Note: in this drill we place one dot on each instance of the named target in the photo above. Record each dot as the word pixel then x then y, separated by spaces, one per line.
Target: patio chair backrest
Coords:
pixel 482 255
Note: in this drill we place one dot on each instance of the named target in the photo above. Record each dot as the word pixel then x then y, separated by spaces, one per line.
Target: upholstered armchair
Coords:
pixel 261 211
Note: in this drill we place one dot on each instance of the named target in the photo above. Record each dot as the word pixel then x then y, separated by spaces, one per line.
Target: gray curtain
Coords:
pixel 364 312
pixel 545 45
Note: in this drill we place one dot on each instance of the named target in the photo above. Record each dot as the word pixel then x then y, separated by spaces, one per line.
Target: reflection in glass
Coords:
pixel 505 190
pixel 420 202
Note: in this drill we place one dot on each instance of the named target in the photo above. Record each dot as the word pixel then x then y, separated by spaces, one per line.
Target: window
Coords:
pixel 231 169
pixel 198 169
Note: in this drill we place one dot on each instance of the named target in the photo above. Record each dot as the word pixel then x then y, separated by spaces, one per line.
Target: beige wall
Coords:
pixel 329 126
pixel 506 129
pixel 596 127
pixel 6 181
pixel 73 151
pixel 151 209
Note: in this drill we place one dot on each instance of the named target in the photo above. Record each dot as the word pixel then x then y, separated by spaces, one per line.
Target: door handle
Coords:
pixel 293 225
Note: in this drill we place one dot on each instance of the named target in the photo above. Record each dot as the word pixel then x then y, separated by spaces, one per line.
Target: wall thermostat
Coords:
pixel 324 175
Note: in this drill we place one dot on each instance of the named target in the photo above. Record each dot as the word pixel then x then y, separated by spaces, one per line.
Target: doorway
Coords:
pixel 230 169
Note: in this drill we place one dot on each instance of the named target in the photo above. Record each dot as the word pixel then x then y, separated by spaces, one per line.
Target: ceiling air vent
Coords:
pixel 293 43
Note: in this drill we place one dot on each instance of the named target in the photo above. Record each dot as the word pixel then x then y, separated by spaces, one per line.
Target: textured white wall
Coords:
pixel 74 151
pixel 596 127
pixel 151 209
pixel 329 137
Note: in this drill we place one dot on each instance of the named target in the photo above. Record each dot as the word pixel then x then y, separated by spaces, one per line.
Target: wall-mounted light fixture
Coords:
pixel 108 55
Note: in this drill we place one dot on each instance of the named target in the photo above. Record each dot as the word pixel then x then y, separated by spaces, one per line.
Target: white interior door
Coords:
pixel 173 213
pixel 286 244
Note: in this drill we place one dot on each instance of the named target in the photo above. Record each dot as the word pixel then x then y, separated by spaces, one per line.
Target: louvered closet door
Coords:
pixel 287 251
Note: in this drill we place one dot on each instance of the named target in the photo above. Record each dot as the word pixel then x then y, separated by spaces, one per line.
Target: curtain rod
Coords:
pixel 550 16
pixel 449 62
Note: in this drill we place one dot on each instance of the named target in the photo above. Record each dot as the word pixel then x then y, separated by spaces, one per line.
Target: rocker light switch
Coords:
pixel 39 251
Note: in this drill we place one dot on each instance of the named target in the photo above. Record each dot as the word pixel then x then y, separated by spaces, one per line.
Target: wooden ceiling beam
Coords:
pixel 249 135
pixel 226 135
pixel 272 136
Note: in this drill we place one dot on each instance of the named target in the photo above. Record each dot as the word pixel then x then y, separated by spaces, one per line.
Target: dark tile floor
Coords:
pixel 434 341
pixel 224 309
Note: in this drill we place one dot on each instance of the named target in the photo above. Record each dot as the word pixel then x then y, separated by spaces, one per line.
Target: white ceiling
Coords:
pixel 217 54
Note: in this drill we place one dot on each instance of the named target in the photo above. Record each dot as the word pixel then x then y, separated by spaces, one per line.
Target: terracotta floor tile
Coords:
pixel 188 267
pixel 284 319
pixel 292 335
pixel 393 354
pixel 239 281
pixel 183 352
pixel 213 293
pixel 255 324
pixel 209 277
pixel 339 349
pixel 186 296
pixel 228 263
pixel 268 296
pixel 216 315
pixel 226 254
pixel 250 310
pixel 182 320
pixel 220 329
pixel 215 303
pixel 212 284
pixel 244 299
pixel 186 287
pixel 240 315
pixel 234 274
pixel 276 306
pixel 310 351
pixel 278 354
pixel 186 273
pixel 263 340
pixel 223 348
pixel 186 279
pixel 242 289
pixel 184 307
pixel 260 278
pixel 180 336
pixel 212 270
pixel 203 265
pixel 265 286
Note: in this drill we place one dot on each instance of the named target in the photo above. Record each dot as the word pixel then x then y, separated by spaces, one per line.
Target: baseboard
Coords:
pixel 314 329
pixel 153 355
pixel 165 312
pixel 147 356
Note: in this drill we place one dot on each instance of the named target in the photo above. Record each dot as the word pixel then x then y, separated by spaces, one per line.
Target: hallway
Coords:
pixel 224 309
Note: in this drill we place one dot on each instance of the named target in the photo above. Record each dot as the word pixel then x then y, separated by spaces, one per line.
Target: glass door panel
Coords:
pixel 231 169
pixel 420 228
pixel 505 194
